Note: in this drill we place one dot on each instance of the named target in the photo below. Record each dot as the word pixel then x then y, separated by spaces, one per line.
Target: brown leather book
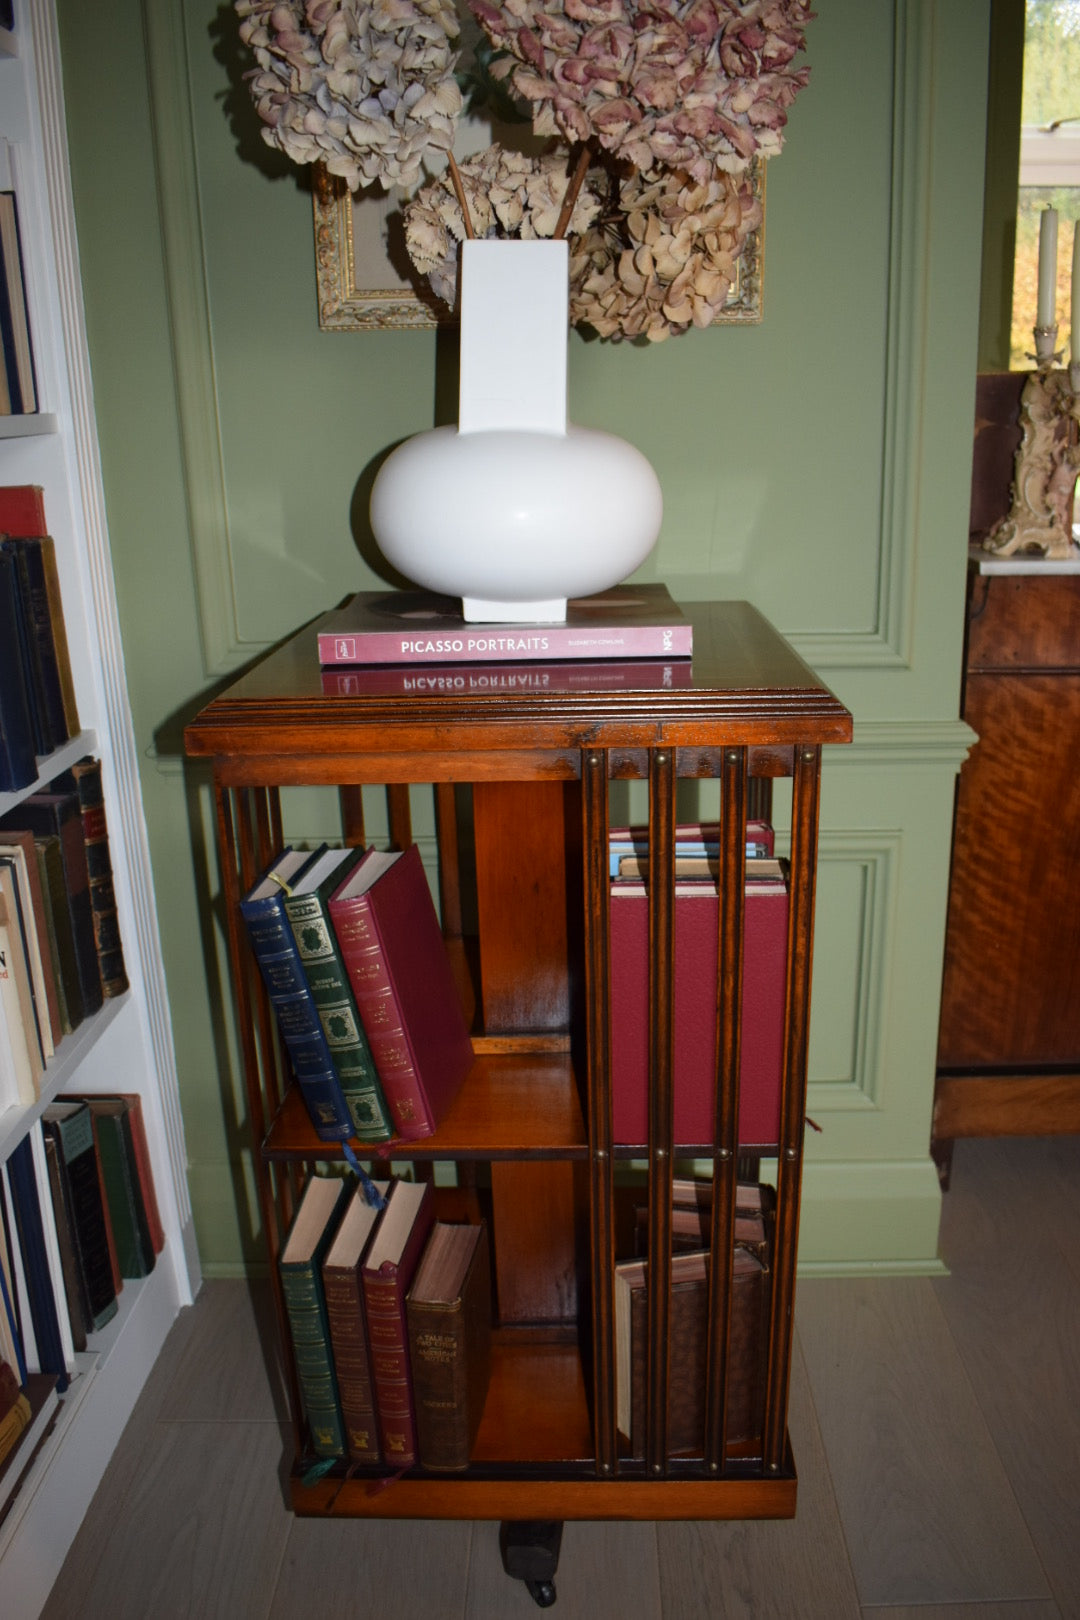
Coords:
pixel 387 1273
pixel 688 1340
pixel 449 1311
pixel 344 1294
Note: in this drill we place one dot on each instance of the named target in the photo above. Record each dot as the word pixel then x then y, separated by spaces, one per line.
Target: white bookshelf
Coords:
pixel 127 1046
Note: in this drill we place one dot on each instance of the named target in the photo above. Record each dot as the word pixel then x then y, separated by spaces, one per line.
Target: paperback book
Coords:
pixel 412 627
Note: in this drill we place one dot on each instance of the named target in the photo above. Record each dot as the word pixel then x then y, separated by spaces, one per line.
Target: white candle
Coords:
pixel 1074 339
pixel 1048 224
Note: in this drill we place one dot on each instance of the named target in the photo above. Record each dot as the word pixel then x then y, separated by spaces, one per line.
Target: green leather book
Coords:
pixel 131 1229
pixel 307 908
pixel 300 1264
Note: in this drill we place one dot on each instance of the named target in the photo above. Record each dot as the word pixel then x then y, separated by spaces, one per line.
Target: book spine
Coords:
pixel 45 736
pixel 77 885
pixel 107 943
pixel 34 596
pixel 477 646
pixel 140 1148
pixel 78 1303
pixel 20 1028
pixel 314 1365
pixel 121 1196
pixel 325 972
pixel 61 938
pixel 440 1383
pixel 76 1142
pixel 18 761
pixel 388 1338
pixel 31 1229
pixel 23 390
pixel 380 1013
pixel 352 1363
pixel 290 996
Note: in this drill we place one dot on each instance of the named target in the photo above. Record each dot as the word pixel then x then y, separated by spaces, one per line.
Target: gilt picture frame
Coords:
pixel 365 282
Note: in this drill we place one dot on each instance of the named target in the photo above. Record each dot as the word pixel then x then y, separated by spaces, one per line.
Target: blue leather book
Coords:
pixel 274 947
pixel 35 1259
pixel 18 762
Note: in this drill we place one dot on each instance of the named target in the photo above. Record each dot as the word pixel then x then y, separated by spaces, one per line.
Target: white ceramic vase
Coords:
pixel 515 509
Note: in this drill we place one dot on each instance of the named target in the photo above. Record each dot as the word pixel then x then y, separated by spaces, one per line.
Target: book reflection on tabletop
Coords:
pixel 399 680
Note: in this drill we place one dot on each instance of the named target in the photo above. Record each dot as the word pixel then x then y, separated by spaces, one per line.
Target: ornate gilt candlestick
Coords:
pixel 1047 459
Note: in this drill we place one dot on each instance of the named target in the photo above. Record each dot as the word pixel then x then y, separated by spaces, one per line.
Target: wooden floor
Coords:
pixel 936 1425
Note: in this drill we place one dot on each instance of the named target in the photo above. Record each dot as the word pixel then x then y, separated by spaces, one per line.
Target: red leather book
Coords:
pixel 697 911
pixel 344 1294
pixel 387 1273
pixel 403 985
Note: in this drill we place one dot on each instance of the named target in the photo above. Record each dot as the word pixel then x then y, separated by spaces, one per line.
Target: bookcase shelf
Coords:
pixel 531 1130
pixel 126 1045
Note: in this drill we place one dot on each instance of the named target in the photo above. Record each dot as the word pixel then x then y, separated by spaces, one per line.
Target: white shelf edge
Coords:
pixel 69 1055
pixel 61 759
pixel 1030 563
pixel 31 425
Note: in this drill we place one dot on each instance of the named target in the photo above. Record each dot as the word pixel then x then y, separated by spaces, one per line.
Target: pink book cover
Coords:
pixel 474 680
pixel 761 1063
pixel 393 950
pixel 414 627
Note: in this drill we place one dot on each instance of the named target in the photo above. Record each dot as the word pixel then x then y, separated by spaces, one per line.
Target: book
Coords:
pixel 691 1217
pixel 18 850
pixel 61 937
pixel 695 1011
pixel 140 1148
pixel 35 1260
pixel 348 1326
pixel 278 960
pixel 11 1337
pixel 41 657
pixel 386 1275
pixel 300 1265
pixel 392 946
pixel 71 1126
pixel 688 1350
pixel 14 317
pixel 84 778
pixel 468 680
pixel 42 1404
pixel 18 759
pixel 415 627
pixel 57 814
pixel 123 1196
pixel 20 1023
pixel 700 866
pixel 307 911
pixel 22 517
pixel 692 840
pixel 15 887
pixel 449 1317
pixel 76 1297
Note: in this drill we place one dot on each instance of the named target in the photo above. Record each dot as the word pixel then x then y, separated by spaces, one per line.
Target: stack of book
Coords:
pixel 390 1315
pixel 688 1322
pixel 60 947
pixel 97 1195
pixel 38 710
pixel 697 921
pixel 352 956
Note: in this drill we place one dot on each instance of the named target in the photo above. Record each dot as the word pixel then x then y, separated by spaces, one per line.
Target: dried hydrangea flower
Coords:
pixel 666 260
pixel 366 89
pixel 697 85
pixel 508 194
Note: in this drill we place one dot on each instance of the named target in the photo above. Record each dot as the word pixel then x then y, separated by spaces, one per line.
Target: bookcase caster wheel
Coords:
pixel 530 1553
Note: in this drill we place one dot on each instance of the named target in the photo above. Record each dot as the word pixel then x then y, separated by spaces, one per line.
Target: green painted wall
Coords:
pixel 817 464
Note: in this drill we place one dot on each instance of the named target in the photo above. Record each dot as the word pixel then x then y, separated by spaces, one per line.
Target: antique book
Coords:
pixel 57 814
pixel 84 778
pixel 20 1021
pixel 307 911
pixel 415 627
pixel 392 947
pixel 449 1315
pixel 344 1294
pixel 75 1294
pixel 387 1273
pixel 693 839
pixel 691 1216
pixel 300 1264
pixel 22 517
pixel 18 850
pixel 140 1148
pixel 50 860
pixel 278 959
pixel 18 758
pixel 695 1010
pixel 123 1196
pixel 468 680
pixel 72 1127
pixel 15 887
pixel 35 1262
pixel 18 354
pixel 687 1326
pixel 43 662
